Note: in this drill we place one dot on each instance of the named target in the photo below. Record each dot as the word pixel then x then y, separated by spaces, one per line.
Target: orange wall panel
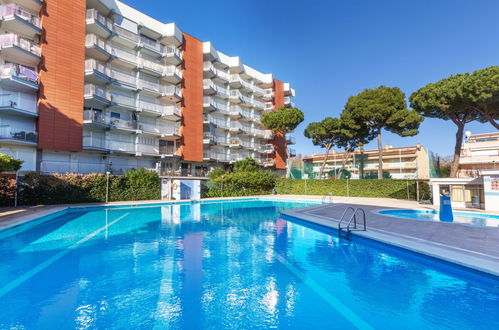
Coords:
pixel 279 141
pixel 62 75
pixel 192 124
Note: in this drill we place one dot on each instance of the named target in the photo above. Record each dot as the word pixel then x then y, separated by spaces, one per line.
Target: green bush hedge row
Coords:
pixel 385 188
pixel 36 189
pixel 240 184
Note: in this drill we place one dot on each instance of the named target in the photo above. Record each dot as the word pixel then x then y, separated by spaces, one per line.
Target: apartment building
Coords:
pixel 95 85
pixel 400 163
pixel 479 153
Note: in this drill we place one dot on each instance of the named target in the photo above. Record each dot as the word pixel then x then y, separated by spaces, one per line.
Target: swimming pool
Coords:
pixel 467 218
pixel 217 265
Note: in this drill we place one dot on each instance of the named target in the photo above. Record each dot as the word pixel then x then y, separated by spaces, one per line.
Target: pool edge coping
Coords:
pixel 442 252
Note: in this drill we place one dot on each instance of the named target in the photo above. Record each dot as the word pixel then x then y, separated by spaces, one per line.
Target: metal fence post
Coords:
pixel 107 186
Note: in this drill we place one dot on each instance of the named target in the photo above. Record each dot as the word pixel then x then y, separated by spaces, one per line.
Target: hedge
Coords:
pixel 36 189
pixel 385 188
pixel 240 184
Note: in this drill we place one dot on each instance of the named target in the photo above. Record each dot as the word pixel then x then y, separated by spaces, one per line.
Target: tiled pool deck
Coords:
pixel 474 247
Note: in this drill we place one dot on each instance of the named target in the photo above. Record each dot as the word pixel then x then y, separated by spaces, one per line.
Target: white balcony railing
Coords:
pixel 13 9
pixel 94 116
pixel 171 90
pixel 91 89
pixel 93 40
pixel 171 110
pixel 18 134
pixel 172 70
pixel 122 99
pixel 124 54
pixel 126 34
pixel 169 51
pixel 122 146
pixel 19 71
pixel 150 44
pixel 95 15
pixel 123 76
pixel 11 39
pixel 122 123
pixel 258 104
pixel 152 65
pixel 152 85
pixel 93 65
pixel 150 106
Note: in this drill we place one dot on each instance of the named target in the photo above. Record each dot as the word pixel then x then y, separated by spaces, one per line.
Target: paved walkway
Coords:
pixel 475 247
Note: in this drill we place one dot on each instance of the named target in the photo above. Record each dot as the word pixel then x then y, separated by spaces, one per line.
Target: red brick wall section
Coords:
pixel 279 141
pixel 62 75
pixel 192 124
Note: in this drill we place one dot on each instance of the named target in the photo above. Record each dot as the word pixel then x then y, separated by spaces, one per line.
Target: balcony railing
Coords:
pixel 93 40
pixel 169 50
pixel 19 71
pixel 94 142
pixel 150 106
pixel 168 150
pixel 126 34
pixel 11 39
pixel 94 116
pixel 94 14
pixel 123 77
pixel 148 84
pixel 122 99
pixel 122 146
pixel 124 54
pixel 12 9
pixel 246 99
pixel 91 89
pixel 268 106
pixel 152 65
pixel 208 66
pixel 171 90
pixel 93 65
pixel 169 130
pixel 259 104
pixel 170 110
pixel 150 44
pixel 18 134
pixel 172 70
pixel 121 123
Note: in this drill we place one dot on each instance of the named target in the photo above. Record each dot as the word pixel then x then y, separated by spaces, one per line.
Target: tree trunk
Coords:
pixel 380 156
pixel 343 163
pixel 457 150
pixel 328 147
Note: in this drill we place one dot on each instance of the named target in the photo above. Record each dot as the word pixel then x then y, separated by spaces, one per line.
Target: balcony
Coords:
pixel 258 91
pixel 98 24
pixel 18 19
pixel 172 112
pixel 149 85
pixel 96 72
pixel 31 5
pixel 150 106
pixel 18 77
pixel 482 159
pixel 172 55
pixel 290 139
pixel 154 68
pixel 269 106
pixel 122 78
pixel 9 134
pixel 117 146
pixel 269 162
pixel 122 100
pixel 170 133
pixel 9 106
pixel 19 49
pixel 235 142
pixel 236 112
pixel 151 129
pixel 168 151
pixel 171 94
pixel 246 115
pixel 94 119
pixel 214 104
pixel 211 88
pixel 235 96
pixel 267 148
pixel 97 48
pixel 208 138
pixel 246 100
pixel 147 149
pixel 124 57
pixel 96 96
pixel 125 37
pixel 129 126
pixel 172 74
pixel 94 143
pixel 150 46
pixel 236 127
pixel 210 71
pixel 268 95
pixel 258 105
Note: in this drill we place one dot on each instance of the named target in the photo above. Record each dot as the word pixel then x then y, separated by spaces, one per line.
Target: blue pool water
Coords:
pixel 467 218
pixel 236 265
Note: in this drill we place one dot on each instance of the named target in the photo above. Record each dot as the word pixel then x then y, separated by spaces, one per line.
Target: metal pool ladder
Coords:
pixel 351 224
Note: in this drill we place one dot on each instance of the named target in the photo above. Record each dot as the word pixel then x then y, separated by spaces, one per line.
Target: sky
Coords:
pixel 329 50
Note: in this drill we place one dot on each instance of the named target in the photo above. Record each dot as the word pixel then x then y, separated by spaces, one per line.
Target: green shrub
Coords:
pixel 70 188
pixel 385 188
pixel 246 165
pixel 9 163
pixel 241 184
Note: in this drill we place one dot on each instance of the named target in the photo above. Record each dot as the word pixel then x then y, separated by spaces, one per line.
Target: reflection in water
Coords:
pixel 225 265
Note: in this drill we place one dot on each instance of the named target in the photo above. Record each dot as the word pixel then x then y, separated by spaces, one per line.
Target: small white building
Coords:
pixel 472 192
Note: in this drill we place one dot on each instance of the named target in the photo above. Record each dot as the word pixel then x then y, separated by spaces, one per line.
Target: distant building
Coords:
pixel 399 163
pixel 479 153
